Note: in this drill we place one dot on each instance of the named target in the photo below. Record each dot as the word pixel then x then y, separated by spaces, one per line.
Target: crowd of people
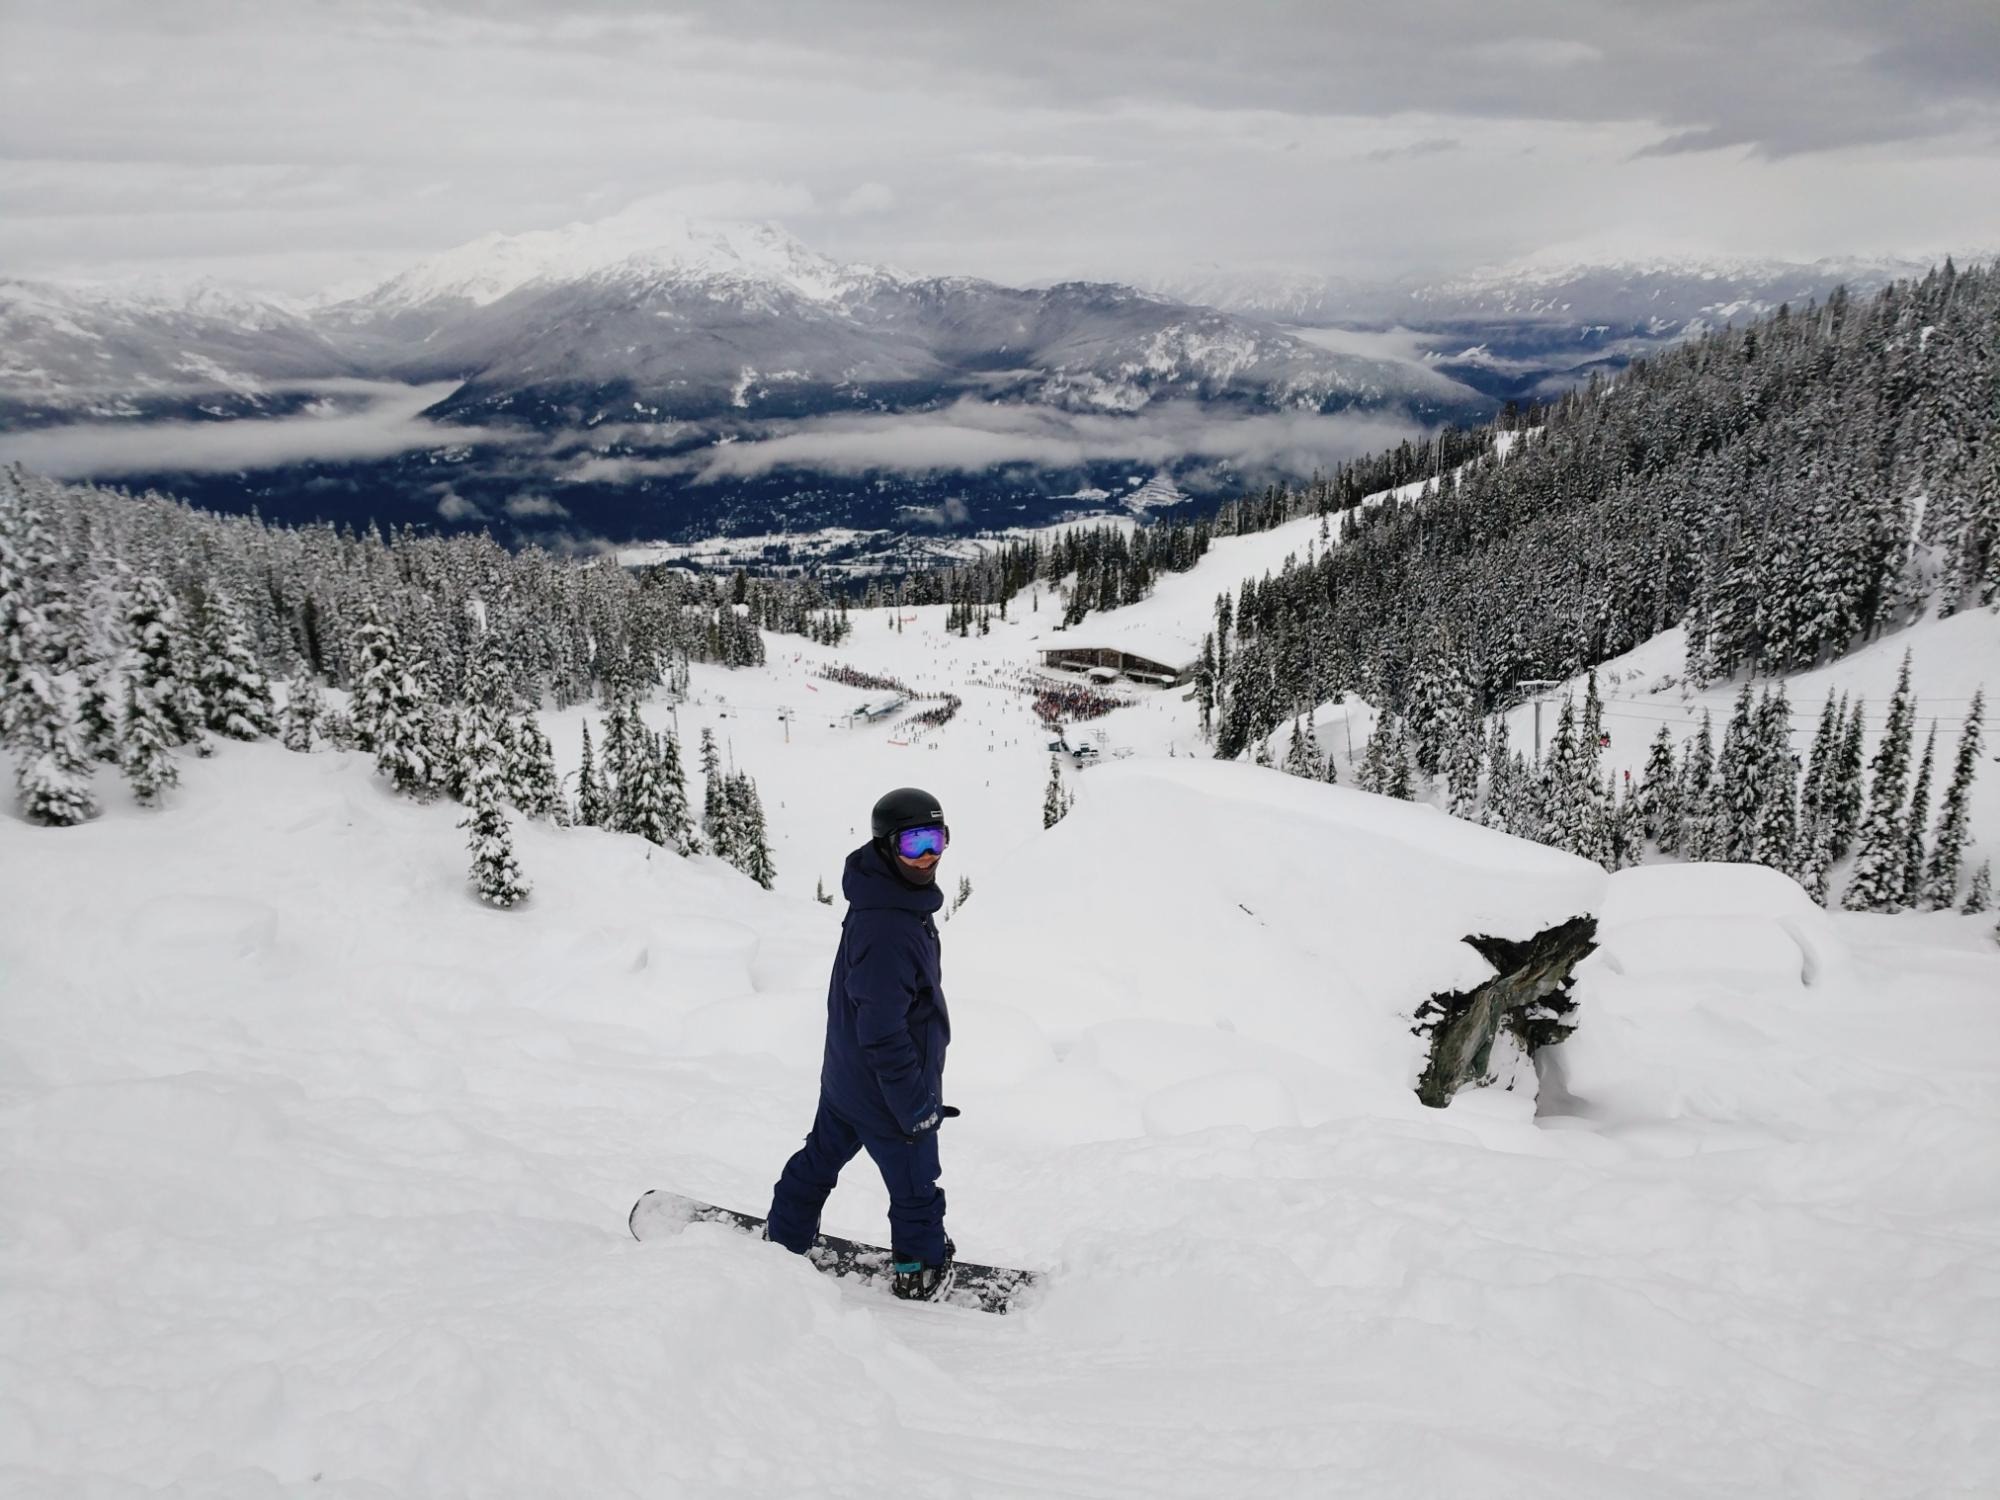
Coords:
pixel 938 716
pixel 853 677
pixel 1065 702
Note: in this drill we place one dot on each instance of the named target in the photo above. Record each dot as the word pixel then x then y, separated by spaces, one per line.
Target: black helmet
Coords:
pixel 906 807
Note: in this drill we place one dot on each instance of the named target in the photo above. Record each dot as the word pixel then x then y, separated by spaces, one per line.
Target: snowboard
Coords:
pixel 994 1289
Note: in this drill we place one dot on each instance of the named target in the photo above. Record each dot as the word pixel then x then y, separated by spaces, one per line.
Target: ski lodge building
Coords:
pixel 1137 652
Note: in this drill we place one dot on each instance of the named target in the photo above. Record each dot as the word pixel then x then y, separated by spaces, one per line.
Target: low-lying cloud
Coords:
pixel 357 420
pixel 971 436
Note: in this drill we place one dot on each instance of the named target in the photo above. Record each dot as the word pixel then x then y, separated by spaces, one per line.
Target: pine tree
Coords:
pixel 1658 803
pixel 389 710
pixel 673 785
pixel 1569 786
pixel 144 747
pixel 642 798
pixel 157 657
pixel 1499 778
pixel 1813 790
pixel 1302 757
pixel 303 709
pixel 593 807
pixel 1465 750
pixel 537 791
pixel 20 626
pixel 1701 832
pixel 494 871
pixel 1398 782
pixel 1877 882
pixel 99 695
pixel 1841 793
pixel 712 812
pixel 51 771
pixel 235 696
pixel 1054 804
pixel 754 845
pixel 1740 772
pixel 1910 894
pixel 1980 898
pixel 1948 842
pixel 1778 801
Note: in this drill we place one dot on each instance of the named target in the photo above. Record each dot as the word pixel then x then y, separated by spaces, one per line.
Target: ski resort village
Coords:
pixel 991 753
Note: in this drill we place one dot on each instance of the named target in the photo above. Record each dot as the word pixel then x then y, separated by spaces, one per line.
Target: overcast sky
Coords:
pixel 296 143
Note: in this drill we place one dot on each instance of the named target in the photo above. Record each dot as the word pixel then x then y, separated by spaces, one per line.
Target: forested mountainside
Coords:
pixel 1788 489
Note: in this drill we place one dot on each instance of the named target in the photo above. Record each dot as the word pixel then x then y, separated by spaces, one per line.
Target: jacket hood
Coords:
pixel 870 885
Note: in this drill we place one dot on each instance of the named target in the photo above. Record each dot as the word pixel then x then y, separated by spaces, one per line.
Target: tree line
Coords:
pixel 134 626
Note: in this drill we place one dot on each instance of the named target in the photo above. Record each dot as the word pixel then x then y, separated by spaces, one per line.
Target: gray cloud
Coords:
pixel 1030 141
pixel 973 436
pixel 524 507
pixel 359 420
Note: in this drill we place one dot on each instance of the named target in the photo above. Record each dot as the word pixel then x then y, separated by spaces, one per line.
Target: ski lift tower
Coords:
pixel 1539 686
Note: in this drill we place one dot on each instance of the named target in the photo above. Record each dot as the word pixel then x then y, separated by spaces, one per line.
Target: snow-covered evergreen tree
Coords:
pixel 1740 774
pixel 1054 803
pixel 1657 804
pixel 537 791
pixel 593 807
pixel 711 796
pixel 145 752
pixel 1302 756
pixel 1841 792
pixel 495 873
pixel 1569 786
pixel 753 844
pixel 673 785
pixel 1778 801
pixel 642 796
pixel 51 772
pixel 1941 876
pixel 100 692
pixel 304 708
pixel 1701 832
pixel 236 697
pixel 1979 898
pixel 1877 881
pixel 390 713
pixel 1911 874
pixel 158 658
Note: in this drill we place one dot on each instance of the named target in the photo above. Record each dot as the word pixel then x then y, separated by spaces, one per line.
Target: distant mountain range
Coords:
pixel 719 320
pixel 727 376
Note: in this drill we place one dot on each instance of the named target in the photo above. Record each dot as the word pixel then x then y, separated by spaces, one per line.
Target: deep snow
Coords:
pixel 316 1169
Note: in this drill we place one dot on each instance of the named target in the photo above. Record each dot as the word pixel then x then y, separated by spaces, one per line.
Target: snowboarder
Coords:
pixel 882 1080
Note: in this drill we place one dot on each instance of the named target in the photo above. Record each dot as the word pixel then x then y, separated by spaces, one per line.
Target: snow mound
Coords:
pixel 1258 908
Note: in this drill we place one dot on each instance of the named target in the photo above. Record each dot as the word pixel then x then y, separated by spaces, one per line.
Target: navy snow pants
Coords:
pixel 909 1170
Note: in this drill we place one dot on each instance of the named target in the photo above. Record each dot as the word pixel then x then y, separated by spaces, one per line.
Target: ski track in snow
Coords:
pixel 316 1170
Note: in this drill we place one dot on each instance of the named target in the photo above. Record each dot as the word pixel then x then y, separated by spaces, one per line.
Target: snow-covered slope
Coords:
pixel 1950 660
pixel 316 1169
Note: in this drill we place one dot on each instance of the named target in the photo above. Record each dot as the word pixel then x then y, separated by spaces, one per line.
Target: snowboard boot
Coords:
pixel 916 1282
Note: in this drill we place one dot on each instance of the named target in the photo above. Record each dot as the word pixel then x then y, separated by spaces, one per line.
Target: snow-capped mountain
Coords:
pixel 708 319
pixel 686 320
pixel 103 351
pixel 1664 293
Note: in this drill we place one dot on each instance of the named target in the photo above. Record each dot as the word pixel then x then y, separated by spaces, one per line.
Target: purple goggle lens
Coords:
pixel 915 843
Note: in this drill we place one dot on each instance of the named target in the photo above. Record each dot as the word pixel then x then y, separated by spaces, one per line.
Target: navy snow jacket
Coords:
pixel 886 1023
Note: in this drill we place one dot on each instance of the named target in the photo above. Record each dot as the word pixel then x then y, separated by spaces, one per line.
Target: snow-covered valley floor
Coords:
pixel 316 1169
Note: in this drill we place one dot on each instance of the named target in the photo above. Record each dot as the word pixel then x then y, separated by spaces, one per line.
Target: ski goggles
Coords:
pixel 915 843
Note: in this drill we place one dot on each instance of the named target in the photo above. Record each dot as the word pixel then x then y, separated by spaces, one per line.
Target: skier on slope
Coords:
pixel 881 1084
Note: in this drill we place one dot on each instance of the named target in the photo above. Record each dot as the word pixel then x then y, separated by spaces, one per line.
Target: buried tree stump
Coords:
pixel 1528 995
